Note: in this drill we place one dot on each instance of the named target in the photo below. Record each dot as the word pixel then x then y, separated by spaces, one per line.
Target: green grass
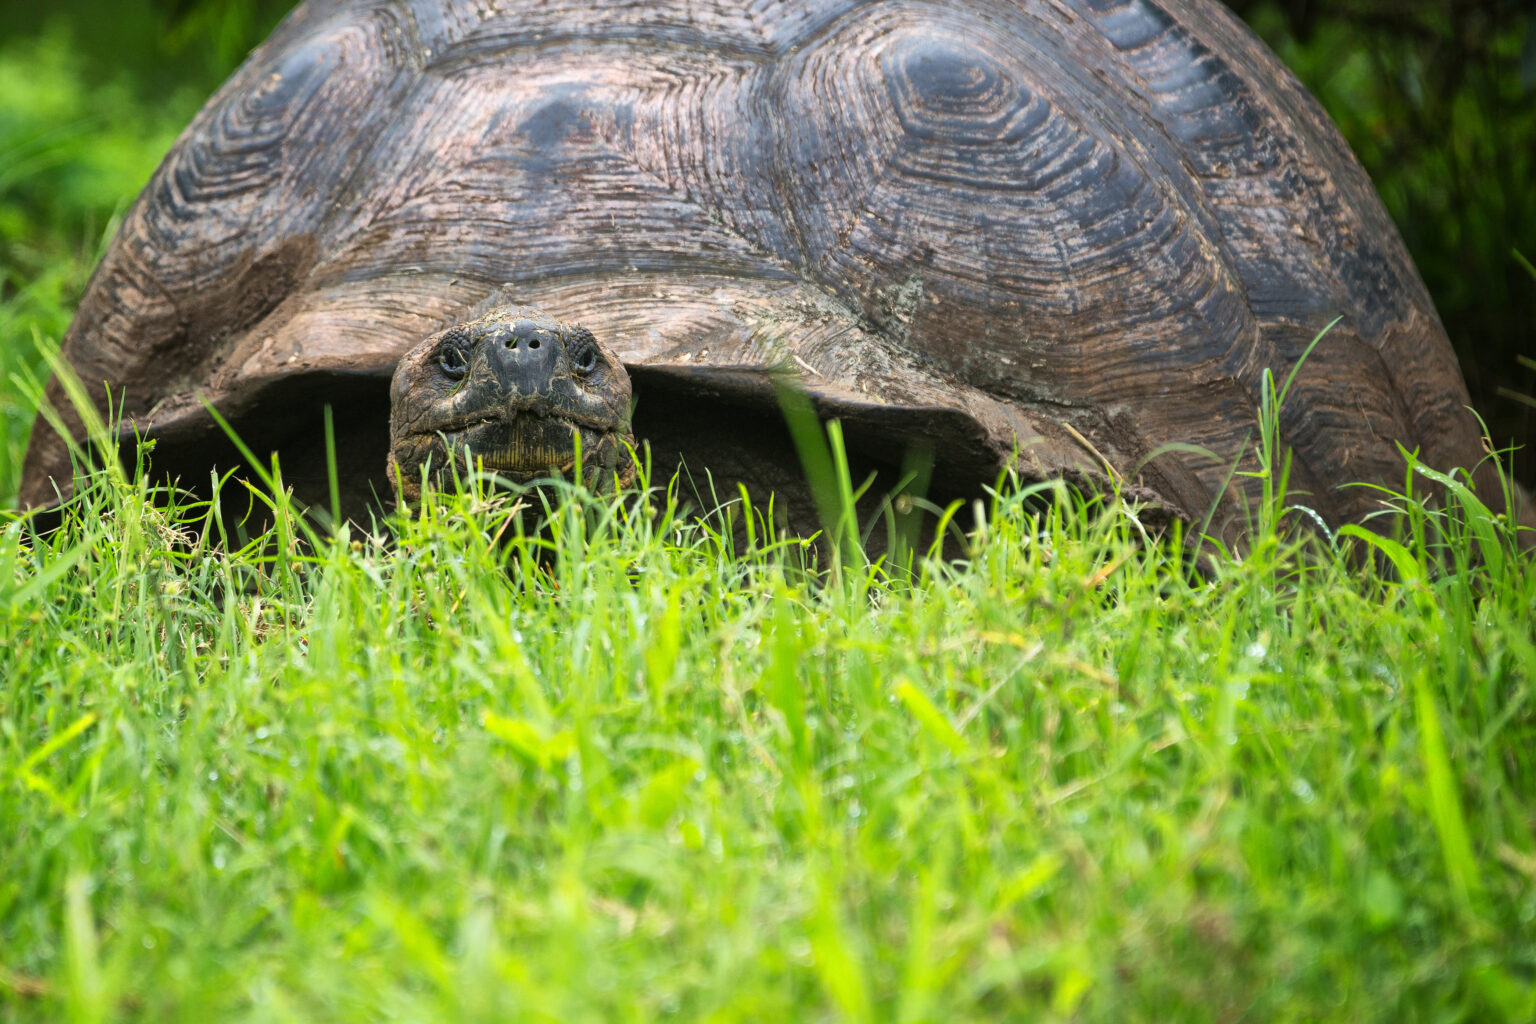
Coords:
pixel 633 771
pixel 638 771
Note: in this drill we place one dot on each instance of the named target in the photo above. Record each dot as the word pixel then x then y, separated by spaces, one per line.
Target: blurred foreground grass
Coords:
pixel 637 770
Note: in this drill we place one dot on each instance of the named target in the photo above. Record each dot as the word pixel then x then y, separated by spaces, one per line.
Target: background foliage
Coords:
pixel 1437 98
pixel 91 97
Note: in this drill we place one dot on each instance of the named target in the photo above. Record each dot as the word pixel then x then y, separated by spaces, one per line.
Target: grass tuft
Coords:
pixel 567 755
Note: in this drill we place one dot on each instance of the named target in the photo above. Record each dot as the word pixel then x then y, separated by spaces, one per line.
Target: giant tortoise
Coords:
pixel 1064 235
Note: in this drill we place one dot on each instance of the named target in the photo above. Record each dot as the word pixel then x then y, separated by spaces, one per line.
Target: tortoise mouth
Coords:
pixel 523 445
pixel 520 446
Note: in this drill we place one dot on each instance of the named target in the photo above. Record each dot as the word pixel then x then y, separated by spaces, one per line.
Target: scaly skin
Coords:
pixel 510 392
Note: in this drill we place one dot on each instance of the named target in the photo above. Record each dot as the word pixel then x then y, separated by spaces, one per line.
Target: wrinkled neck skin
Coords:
pixel 514 393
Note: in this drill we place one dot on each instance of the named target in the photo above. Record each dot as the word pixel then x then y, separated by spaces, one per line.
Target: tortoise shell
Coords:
pixel 1064 234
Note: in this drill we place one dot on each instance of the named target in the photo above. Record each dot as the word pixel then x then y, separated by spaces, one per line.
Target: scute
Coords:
pixel 1084 227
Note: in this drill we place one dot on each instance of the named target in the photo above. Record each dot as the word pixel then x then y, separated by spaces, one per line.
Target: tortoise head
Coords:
pixel 515 392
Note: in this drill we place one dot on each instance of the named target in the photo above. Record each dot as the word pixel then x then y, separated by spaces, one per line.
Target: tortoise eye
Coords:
pixel 453 356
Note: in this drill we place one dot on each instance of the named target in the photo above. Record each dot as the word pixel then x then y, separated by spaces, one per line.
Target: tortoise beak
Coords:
pixel 524 445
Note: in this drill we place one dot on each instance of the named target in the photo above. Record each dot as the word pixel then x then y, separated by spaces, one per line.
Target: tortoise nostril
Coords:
pixel 533 343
